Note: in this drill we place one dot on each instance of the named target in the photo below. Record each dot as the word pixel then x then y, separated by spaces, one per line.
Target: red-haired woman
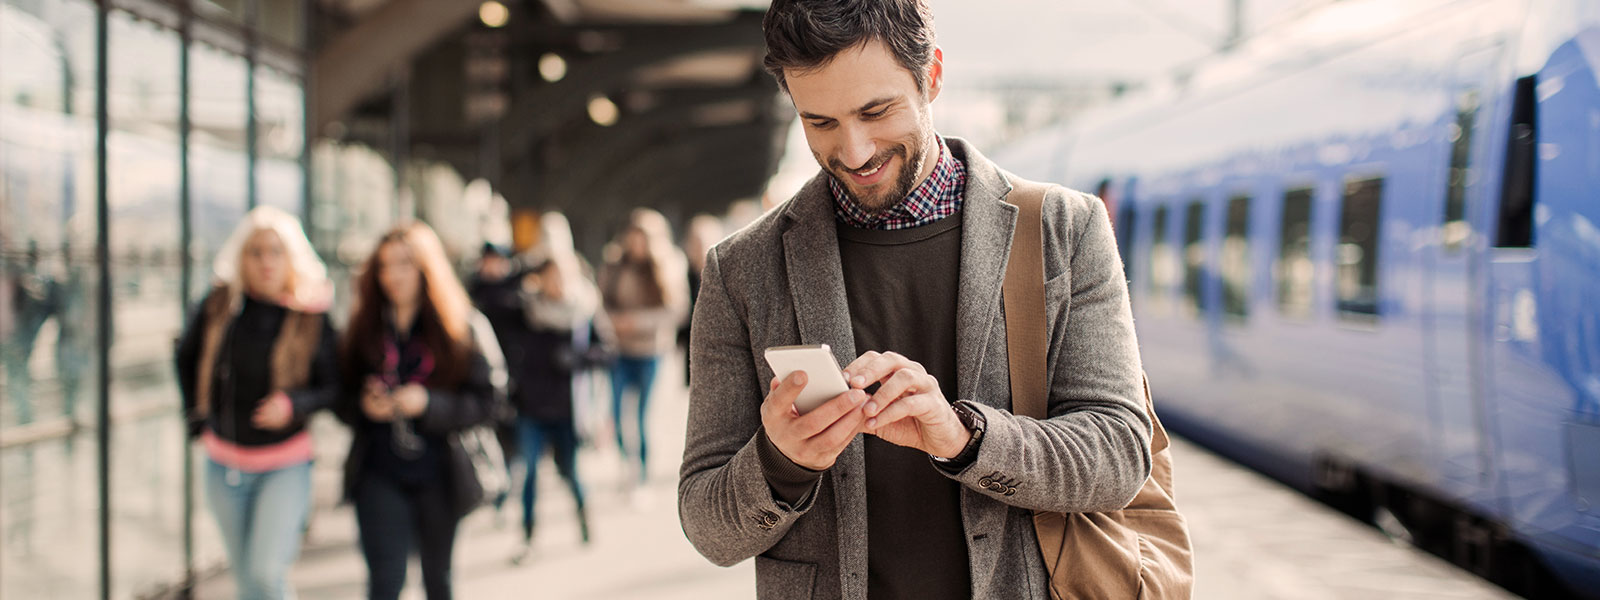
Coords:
pixel 417 372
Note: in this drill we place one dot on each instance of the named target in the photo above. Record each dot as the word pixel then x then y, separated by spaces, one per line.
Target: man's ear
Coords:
pixel 935 74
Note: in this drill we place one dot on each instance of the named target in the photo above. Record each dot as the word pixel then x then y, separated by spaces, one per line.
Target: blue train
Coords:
pixel 1364 257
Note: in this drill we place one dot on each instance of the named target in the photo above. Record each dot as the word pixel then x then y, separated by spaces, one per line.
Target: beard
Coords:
pixel 886 197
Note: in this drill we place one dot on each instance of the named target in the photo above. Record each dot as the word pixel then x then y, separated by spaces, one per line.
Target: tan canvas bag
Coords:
pixel 1142 551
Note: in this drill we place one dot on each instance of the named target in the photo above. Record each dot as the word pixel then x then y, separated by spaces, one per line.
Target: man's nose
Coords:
pixel 858 148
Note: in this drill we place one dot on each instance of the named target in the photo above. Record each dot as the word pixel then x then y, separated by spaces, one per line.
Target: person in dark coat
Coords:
pixel 561 306
pixel 418 370
pixel 496 291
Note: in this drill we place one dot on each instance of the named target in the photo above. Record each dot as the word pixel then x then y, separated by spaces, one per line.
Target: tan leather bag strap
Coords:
pixel 1023 293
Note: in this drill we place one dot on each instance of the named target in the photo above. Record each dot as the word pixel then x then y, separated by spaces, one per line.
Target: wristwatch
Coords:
pixel 975 423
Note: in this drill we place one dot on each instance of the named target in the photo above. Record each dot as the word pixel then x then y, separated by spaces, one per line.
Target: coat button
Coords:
pixel 984 483
pixel 1010 491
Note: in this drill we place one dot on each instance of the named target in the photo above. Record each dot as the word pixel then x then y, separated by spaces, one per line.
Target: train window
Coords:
pixel 1124 229
pixel 1455 227
pixel 1163 269
pixel 1294 269
pixel 1357 255
pixel 1235 260
pixel 1516 209
pixel 1194 256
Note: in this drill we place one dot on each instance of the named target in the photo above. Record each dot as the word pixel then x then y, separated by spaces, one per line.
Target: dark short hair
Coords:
pixel 807 34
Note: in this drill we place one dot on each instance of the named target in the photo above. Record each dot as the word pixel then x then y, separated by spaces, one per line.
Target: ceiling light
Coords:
pixel 552 67
pixel 603 111
pixel 493 13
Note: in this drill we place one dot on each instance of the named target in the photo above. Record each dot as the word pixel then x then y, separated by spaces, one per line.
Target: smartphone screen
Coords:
pixel 824 378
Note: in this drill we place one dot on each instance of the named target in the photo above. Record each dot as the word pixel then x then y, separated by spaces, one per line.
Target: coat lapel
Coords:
pixel 816 276
pixel 816 282
pixel 986 227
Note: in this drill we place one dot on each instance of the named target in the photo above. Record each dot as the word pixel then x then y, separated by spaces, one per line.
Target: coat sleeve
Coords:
pixel 323 388
pixel 1093 453
pixel 478 399
pixel 726 506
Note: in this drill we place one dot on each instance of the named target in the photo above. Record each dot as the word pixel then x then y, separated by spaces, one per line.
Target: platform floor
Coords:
pixel 1253 539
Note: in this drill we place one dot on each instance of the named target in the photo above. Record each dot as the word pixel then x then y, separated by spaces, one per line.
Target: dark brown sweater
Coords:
pixel 902 288
pixel 902 291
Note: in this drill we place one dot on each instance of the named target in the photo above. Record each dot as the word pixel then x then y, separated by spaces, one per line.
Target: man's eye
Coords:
pixel 822 124
pixel 875 114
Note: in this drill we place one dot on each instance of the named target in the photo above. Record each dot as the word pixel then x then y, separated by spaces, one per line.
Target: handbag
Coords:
pixel 1142 551
pixel 488 476
pixel 478 465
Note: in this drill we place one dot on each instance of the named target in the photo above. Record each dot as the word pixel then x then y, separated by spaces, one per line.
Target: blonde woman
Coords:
pixel 257 359
pixel 643 284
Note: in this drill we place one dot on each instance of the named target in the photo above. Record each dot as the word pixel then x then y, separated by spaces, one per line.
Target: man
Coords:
pixel 918 482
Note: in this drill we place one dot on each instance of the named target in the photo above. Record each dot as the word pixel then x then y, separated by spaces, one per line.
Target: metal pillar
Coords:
pixel 185 278
pixel 103 262
pixel 251 152
pixel 307 120
pixel 405 208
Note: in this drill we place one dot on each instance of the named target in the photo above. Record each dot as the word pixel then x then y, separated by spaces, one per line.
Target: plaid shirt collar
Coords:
pixel 938 196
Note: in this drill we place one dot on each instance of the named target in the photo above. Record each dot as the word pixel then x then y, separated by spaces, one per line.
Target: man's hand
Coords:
pixel 273 412
pixel 815 439
pixel 908 408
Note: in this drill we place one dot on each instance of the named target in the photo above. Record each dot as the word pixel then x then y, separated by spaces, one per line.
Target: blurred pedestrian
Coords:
pixel 418 372
pixel 643 286
pixel 704 231
pixel 495 290
pixel 561 307
pixel 256 360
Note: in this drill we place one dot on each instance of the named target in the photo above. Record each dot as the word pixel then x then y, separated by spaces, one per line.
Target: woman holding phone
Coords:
pixel 416 374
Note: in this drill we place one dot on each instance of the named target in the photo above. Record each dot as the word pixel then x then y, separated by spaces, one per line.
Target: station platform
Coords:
pixel 1254 539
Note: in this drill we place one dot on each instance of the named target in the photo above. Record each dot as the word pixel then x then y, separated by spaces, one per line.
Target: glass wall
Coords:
pixel 49 296
pixel 218 164
pixel 47 276
pixel 280 137
pixel 144 174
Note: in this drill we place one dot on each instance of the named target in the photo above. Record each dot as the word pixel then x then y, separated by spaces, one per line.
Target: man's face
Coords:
pixel 867 124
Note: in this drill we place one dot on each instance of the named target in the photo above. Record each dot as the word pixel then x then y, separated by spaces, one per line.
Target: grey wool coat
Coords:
pixel 779 282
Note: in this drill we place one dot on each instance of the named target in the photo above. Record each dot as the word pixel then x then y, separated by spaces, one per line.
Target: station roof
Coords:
pixel 586 106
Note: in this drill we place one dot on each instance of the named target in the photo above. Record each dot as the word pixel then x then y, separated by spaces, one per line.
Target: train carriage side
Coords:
pixel 1335 278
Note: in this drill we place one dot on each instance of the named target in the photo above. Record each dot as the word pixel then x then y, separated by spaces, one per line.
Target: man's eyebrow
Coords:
pixel 864 108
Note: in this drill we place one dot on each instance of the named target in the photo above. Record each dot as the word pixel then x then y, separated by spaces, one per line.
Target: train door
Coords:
pixel 1454 348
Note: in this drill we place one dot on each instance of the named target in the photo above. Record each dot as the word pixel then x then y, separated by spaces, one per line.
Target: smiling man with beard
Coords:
pixel 918 482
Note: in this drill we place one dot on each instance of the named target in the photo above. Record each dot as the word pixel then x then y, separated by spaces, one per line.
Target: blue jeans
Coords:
pixel 638 373
pixel 563 440
pixel 262 517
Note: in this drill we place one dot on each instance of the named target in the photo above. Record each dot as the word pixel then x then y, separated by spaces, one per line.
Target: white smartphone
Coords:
pixel 824 378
